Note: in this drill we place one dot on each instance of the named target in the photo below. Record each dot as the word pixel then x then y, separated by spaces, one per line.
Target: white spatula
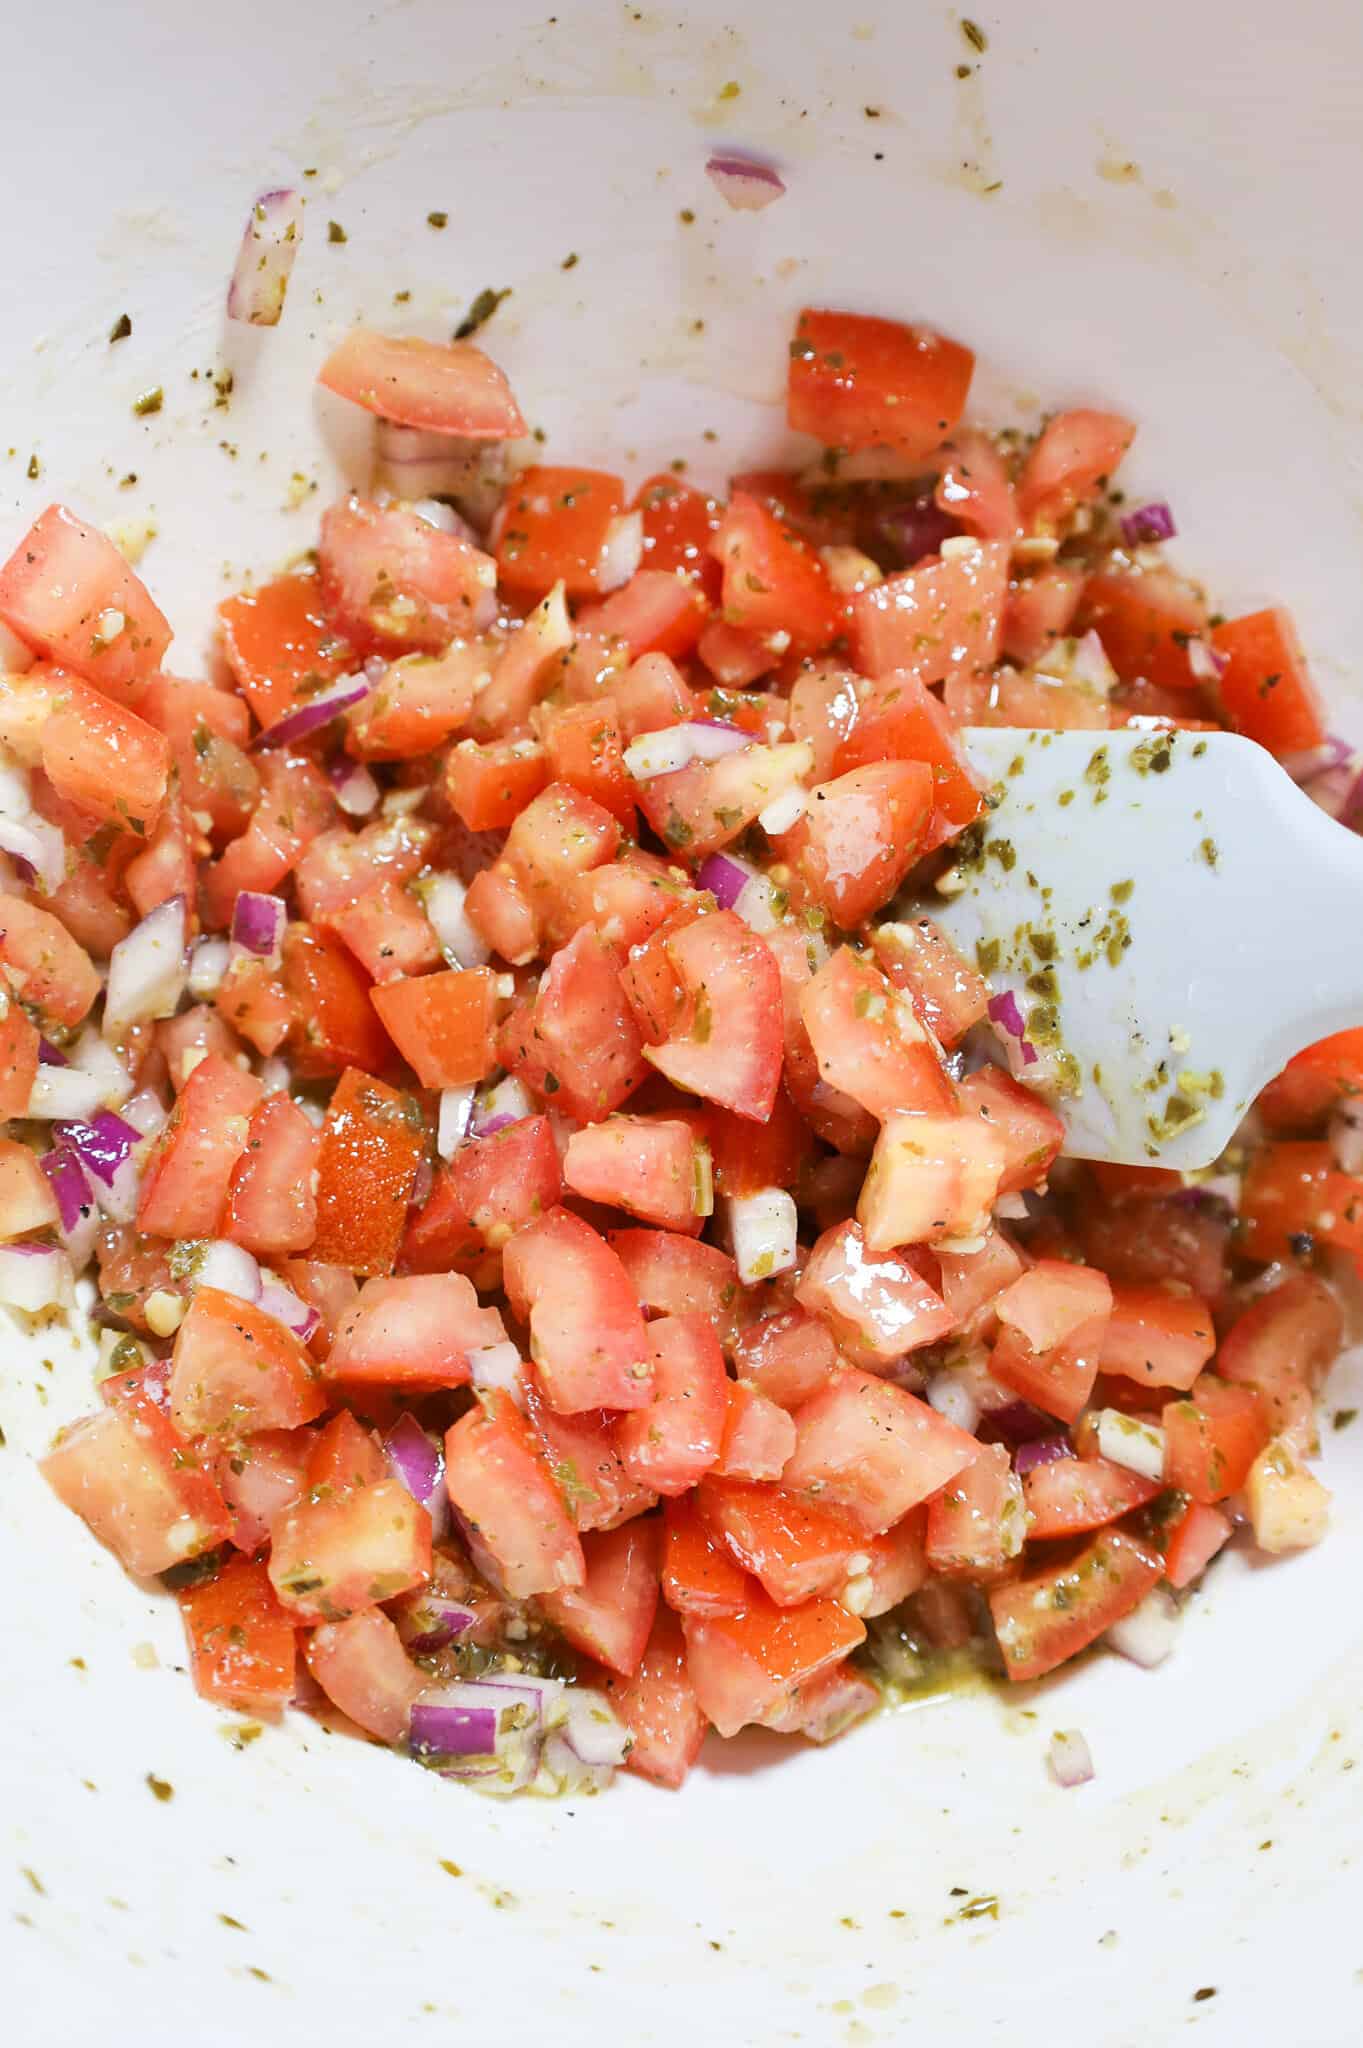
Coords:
pixel 1175 919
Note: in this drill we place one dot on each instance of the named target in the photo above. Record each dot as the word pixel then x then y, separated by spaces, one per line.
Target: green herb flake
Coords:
pixel 1342 1417
pixel 1120 892
pixel 121 329
pixel 481 311
pixel 335 232
pixel 1210 852
pixel 974 35
pixel 160 1788
pixel 450 1869
pixel 438 219
pixel 570 261
pixel 148 402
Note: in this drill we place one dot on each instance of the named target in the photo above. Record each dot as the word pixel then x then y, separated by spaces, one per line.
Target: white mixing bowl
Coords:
pixel 1153 208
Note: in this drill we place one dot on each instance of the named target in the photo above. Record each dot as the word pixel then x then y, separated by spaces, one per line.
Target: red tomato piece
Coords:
pixel 44 965
pixel 860 836
pixel 583 1049
pixel 1044 1620
pixel 389 934
pixel 499 910
pixel 1157 1337
pixel 899 719
pixel 698 1575
pixel 489 786
pixel 242 1647
pixel 1313 1081
pixel 336 1554
pixel 971 1281
pixel 445 387
pixel 1146 620
pixel 823 712
pixel 976 1524
pixel 651 1167
pixel 679 525
pixel 669 1443
pixel 296 806
pixel 1213 1436
pixel 610 1615
pixel 774 581
pixel 1031 1132
pixel 930 1177
pixel 26 1199
pixel 759 1436
pixel 675 1276
pixel 280 646
pixel 1193 1542
pixel 124 1471
pixel 18 1059
pixel 249 1003
pixel 1154 1241
pixel 559 835
pixel 787 1357
pixel 898 1563
pixel 1070 463
pixel 188 1176
pixel 587 1334
pixel 345 1455
pixel 103 757
pixel 1038 611
pixel 698 809
pixel 507 1179
pixel 416 1331
pixel 873 1450
pixel 271 1206
pixel 877 1306
pixel 582 743
pixel 68 594
pixel 659 1707
pixel 975 489
pixel 746 1666
pixel 337 1026
pixel 371 1146
pixel 942 618
pixel 444 1025
pixel 1280 1346
pixel 651 695
pixel 1266 688
pixel 341 867
pixel 1293 1191
pixel 658 611
pixel 260 1477
pixel 728 1048
pixel 237 1370
pixel 869 1043
pixel 553 528
pixel 363 1669
pixel 1071 1496
pixel 502 1487
pixel 328 1289
pixel 734 657
pixel 797 1549
pixel 748 1156
pixel 421 701
pixel 629 899
pixel 860 382
pixel 392 580
pixel 1054 1320
pixel 588 1470
pixel 946 992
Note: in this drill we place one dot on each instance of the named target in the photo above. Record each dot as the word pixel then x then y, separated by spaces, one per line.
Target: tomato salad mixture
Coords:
pixel 578 1261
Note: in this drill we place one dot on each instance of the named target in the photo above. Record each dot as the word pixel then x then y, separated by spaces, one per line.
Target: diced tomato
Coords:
pixel 101 756
pixel 86 906
pixel 1031 1131
pixel 587 1334
pixel 675 1276
pixel 185 1187
pixel 947 994
pixel 659 1707
pixel 1193 1542
pixel 669 1443
pixel 133 1482
pixel 345 1455
pixel 976 1524
pixel 389 933
pixel 44 966
pixel 1045 1619
pixel 1280 1346
pixel 657 612
pixel 870 1044
pixel 940 619
pixel 759 1436
pixel 419 703
pixel 698 809
pixel 971 1281
pixel 860 382
pixel 393 580
pixel 581 1048
pixel 507 1179
pixel 651 695
pixel 651 1167
pixel 816 516
pixel 553 528
pixel 445 387
pixel 237 1370
pixel 627 900
pixel 1213 1436
pixel 1289 1508
pixel 873 1450
pixel 335 1554
pixel 598 1492
pixel 797 1549
pixel 745 1666
pixel 1294 1191
pixel 443 1024
pixel 371 1145
pixel 337 1026
pixel 242 1647
pixel 774 581
pixel 280 645
pixel 877 1306
pixel 271 1206
pixel 502 1486
pixel 363 1669
pixel 1039 610
pixel 610 1615
pixel 167 865
pixel 416 1331
pixel 728 1048
pixel 1147 620
pixel 898 1563
pixel 342 866
pixel 1070 1496
pixel 788 1356
pixel 900 720
pixel 296 806
pixel 582 742
pixel 698 1575
pixel 559 835
pixel 1148 1242
pixel 1071 462
pixel 1054 1320
pixel 1157 1337
pixel 500 911
pixel 749 1156
pixel 68 594
pixel 930 1177
pixel 860 836
pixel 974 488
pixel 824 709
pixel 259 1477
pixel 679 524
pixel 734 656
pixel 18 1058
pixel 488 786
pixel 1266 688
pixel 1313 1081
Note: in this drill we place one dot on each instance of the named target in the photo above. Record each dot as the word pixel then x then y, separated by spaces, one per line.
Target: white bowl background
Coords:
pixel 1173 233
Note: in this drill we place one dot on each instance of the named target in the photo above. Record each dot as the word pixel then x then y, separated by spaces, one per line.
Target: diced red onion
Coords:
pixel 621 551
pixel 1333 752
pixel 744 183
pixel 725 878
pixel 560 1763
pixel 763 1229
pixel 1123 1440
pixel 147 970
pixel 417 1461
pixel 455 1729
pixel 258 925
pixel 1006 1013
pixel 228 1267
pixel 146 1112
pixel 784 811
pixel 1041 1451
pixel 288 1308
pixel 208 963
pixel 1148 1634
pixel 1089 665
pixel 760 904
pixel 592 1729
pixel 428 1620
pixel 103 1144
pixel 356 790
pixel 443 900
pixel 437 513
pixel 663 753
pixel 269 245
pixel 317 712
pixel 48 1054
pixel 1205 661
pixel 498 1367
pixel 456 1114
pixel 37 843
pixel 1145 524
pixel 914 527
pixel 1014 1424
pixel 418 462
pixel 65 1092
pixel 504 1104
pixel 1070 1758
pixel 70 1188
pixel 34 1277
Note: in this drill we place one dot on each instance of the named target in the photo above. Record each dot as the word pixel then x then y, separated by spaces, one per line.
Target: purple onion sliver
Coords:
pixel 66 1177
pixel 454 1731
pixel 914 527
pixel 494 1124
pixel 102 1145
pixel 1004 1011
pixel 1044 1450
pixel 413 1458
pixel 743 182
pixel 317 712
pixel 1017 1422
pixel 258 923
pixel 1148 523
pixel 48 1055
pixel 724 878
pixel 428 1622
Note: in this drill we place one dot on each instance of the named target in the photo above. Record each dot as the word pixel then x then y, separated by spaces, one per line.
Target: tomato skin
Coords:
pixel 502 1487
pixel 728 1047
pixel 796 1549
pixel 371 1144
pixel 774 582
pixel 445 387
pixel 1054 1320
pixel 103 757
pixel 1313 1081
pixel 898 719
pixel 1074 455
pixel 242 1647
pixel 1043 1620
pixel 488 786
pixel 1280 1346
pixel 337 1026
pixel 394 581
pixel 560 834
pixel 659 1707
pixel 363 1669
pixel 238 1370
pixel 507 1179
pixel 940 619
pixel 344 1455
pixel 186 1183
pixel 18 1059
pixel 610 1615
pixel 1212 1437
pixel 1157 1337
pixel 57 976
pixel 746 1666
pixel 1071 1496
pixel 334 1555
pixel 876 1305
pixel 296 806
pixel 117 1470
pixel 1038 611
pixel 1266 689
pixel 1193 1542
pixel 553 527
pixel 443 1024
pixel 873 1450
pixel 280 645
pixel 579 1046
pixel 945 990
pixel 647 1166
pixel 259 1477
pixel 679 524
pixel 698 1575
pixel 582 1454
pixel 856 381
pixel 651 695
pixel 860 836
pixel 787 1357
pixel 1145 620
pixel 54 591
pixel 499 910
pixel 416 1331
pixel 587 1334
pixel 583 746
pixel 271 1206
pixel 669 1443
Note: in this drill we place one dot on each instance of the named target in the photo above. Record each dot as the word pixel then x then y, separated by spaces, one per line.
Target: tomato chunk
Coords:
pixel 1266 688
pixel 103 757
pixel 442 1024
pixel 930 1177
pixel 445 387
pixel 746 1666
pixel 787 1356
pixel 332 1555
pixel 976 1524
pixel 1029 1128
pixel 869 1042
pixel 899 719
pixel 698 1575
pixel 1054 1320
pixel 189 1175
pixel 659 1707
pixel 393 580
pixel 668 1444
pixel 554 527
pixel 416 1331
pixel 271 1205
pixel 774 581
pixel 242 1646
pixel 44 966
pixel 1045 1619
pixel 336 1026
pixel 587 1334
pixel 237 1370
pixel 1071 462
pixel 797 1549
pixel 280 646
pixel 1293 1194
pixel 1213 1436
pixel 597 1490
pixel 657 612
pixel 118 1470
pixel 371 1144
pixel 1147 620
pixel 1157 1337
pixel 1193 1542
pixel 648 1166
pixel 580 1047
pixel 1070 1496
pixel 938 620
pixel 363 1669
pixel 856 381
pixel 68 593
pixel 860 836
pixel 1313 1081
pixel 674 1276
pixel 759 1436
pixel 877 1305
pixel 1280 1346
pixel 728 1047
pixel 873 1450
pixel 503 1489
pixel 610 1615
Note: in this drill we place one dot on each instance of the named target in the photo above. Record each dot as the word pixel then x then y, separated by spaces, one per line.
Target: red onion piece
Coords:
pixel 1005 1011
pixel 1148 1634
pixel 102 1145
pixel 70 1188
pixel 1205 662
pixel 37 847
pixel 495 1124
pixel 356 790
pixel 269 245
pixel 48 1055
pixel 912 528
pixel 1070 1758
pixel 676 746
pixel 1044 1450
pixel 454 1730
pixel 621 551
pixel 228 1267
pixel 591 1729
pixel 258 924
pixel 148 969
pixel 1148 523
pixel 725 878
pixel 414 1459
pixel 744 183
pixel 286 1307
pixel 317 712
pixel 497 1107
pixel 429 1621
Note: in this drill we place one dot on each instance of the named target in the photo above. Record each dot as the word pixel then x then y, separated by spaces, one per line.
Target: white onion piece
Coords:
pixel 762 1230
pixel 784 811
pixel 1012 1208
pixel 146 1112
pixel 562 1773
pixel 758 904
pixel 1149 1633
pixel 663 753
pixel 269 245
pixel 208 967
pixel 275 1076
pixel 229 1268
pixel 456 1113
pixel 286 1307
pixel 508 1098
pixel 416 463
pixel 1205 662
pixel 445 519
pixel 95 1057
pixel 1346 1136
pixel 442 898
pixel 951 1397
pixel 591 1728
pixel 15 657
pixel 499 1367
pixel 34 840
pixel 621 551
pixel 61 1092
pixel 743 183
pixel 147 969
pixel 1139 1446
pixel 1090 666
pixel 1070 1758
pixel 34 1277
pixel 356 791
